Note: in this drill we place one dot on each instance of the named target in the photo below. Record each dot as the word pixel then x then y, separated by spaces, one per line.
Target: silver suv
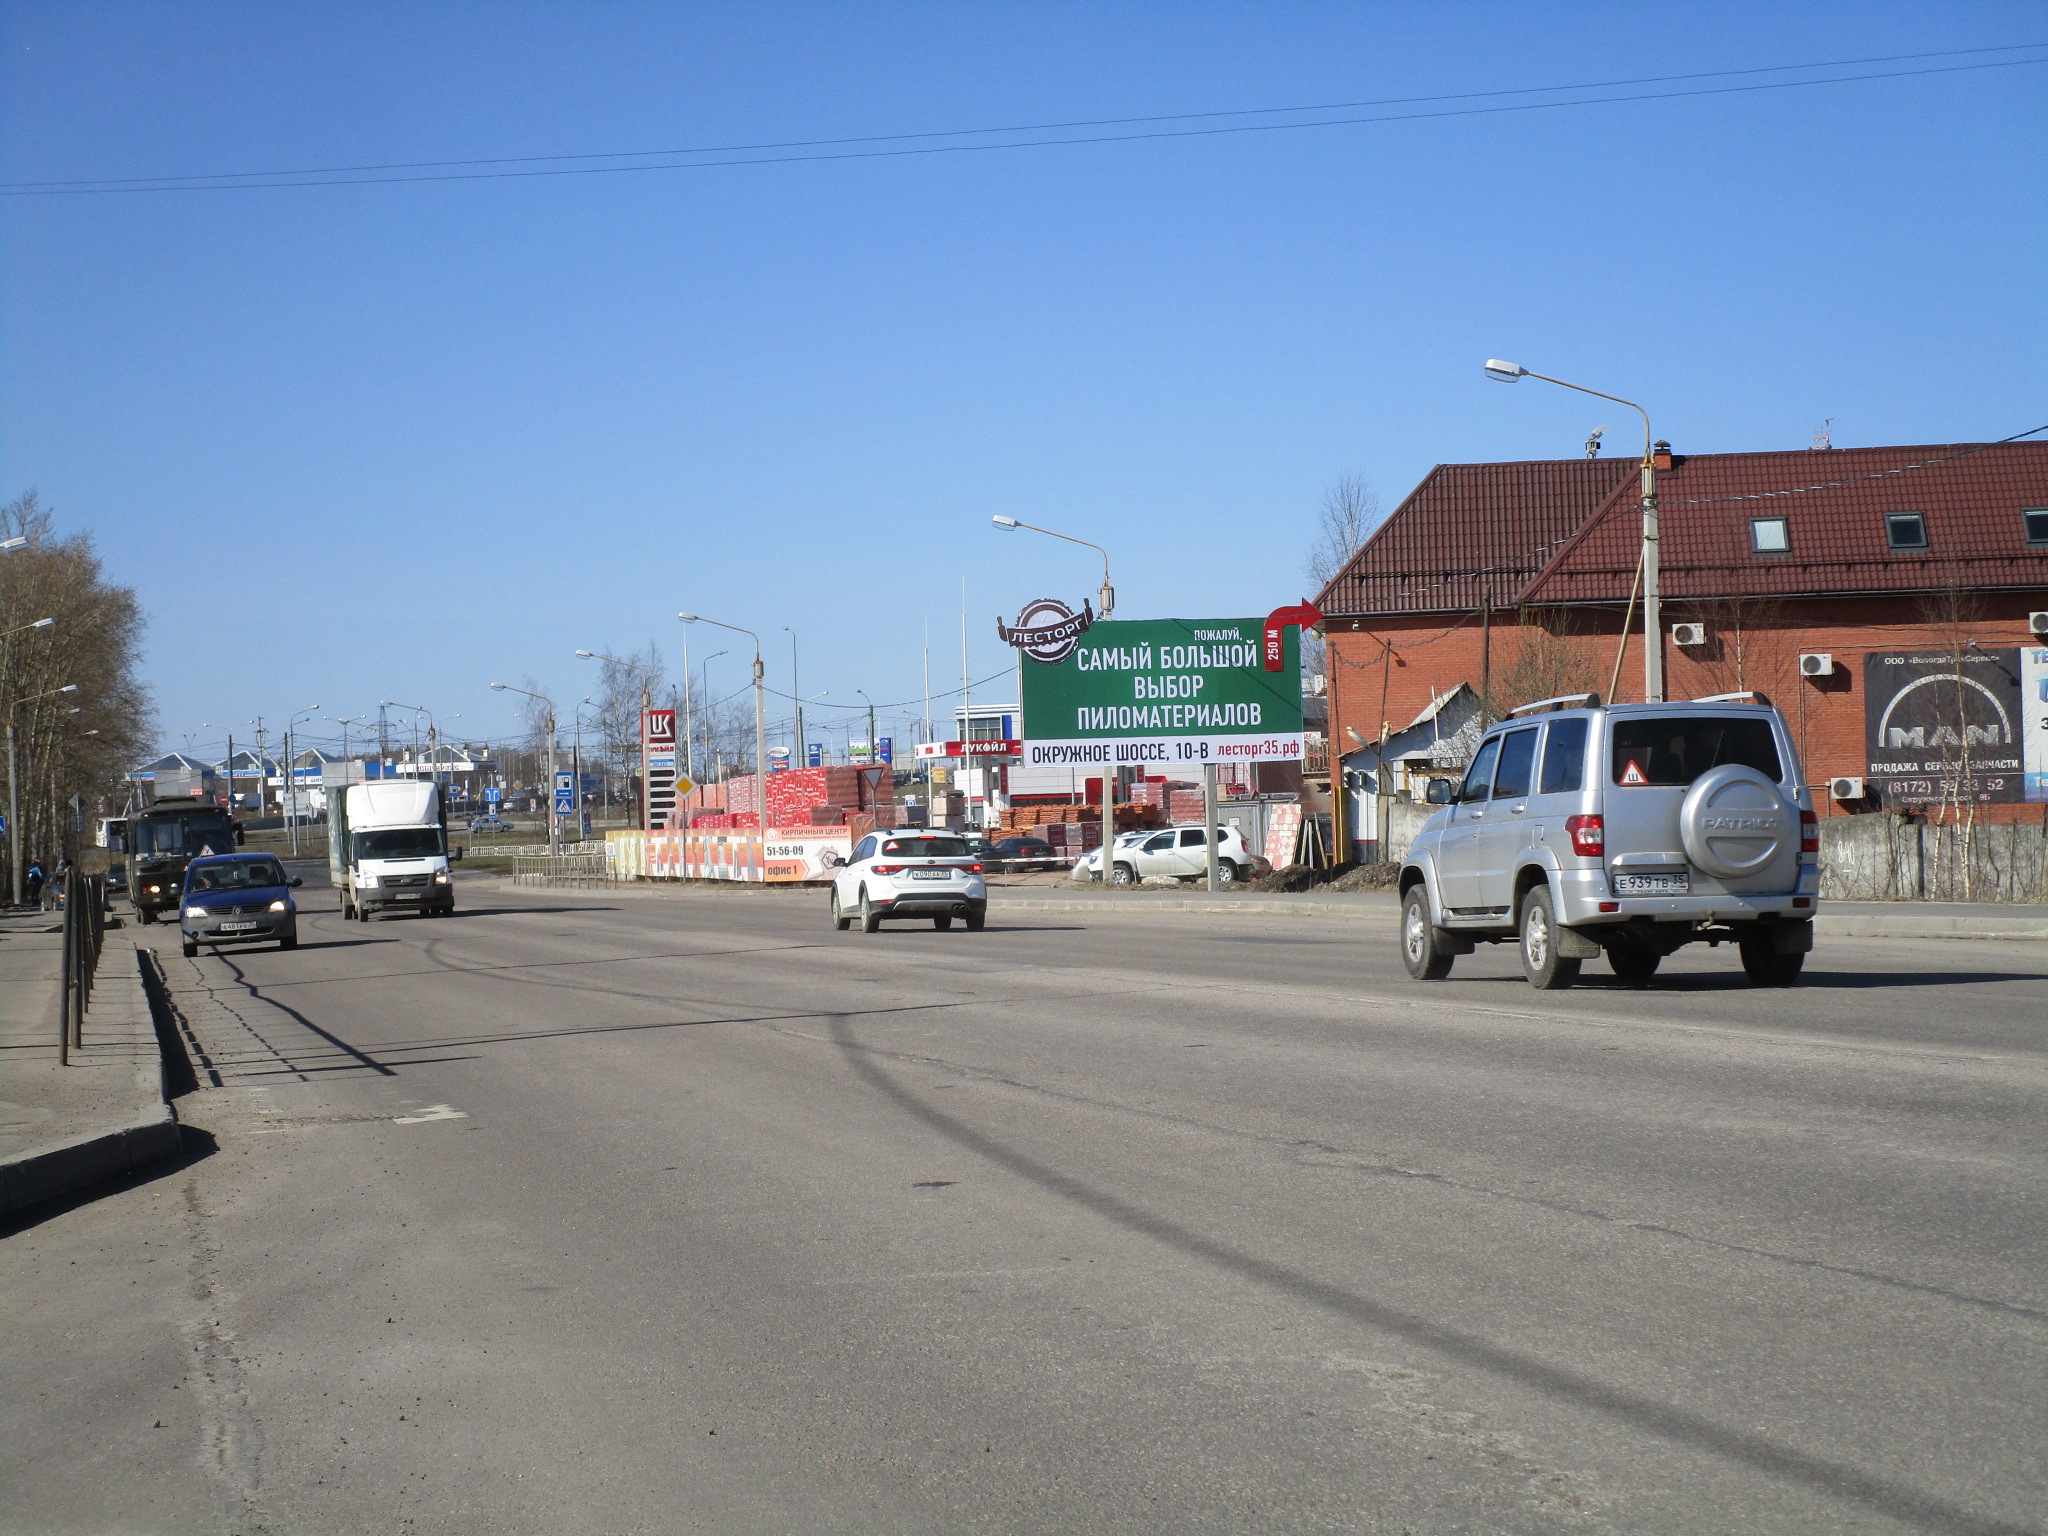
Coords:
pixel 1631 829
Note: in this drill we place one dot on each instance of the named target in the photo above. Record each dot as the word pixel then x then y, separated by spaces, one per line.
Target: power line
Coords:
pixel 241 181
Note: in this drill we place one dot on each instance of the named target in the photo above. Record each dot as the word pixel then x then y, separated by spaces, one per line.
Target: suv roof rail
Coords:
pixel 1730 698
pixel 1588 700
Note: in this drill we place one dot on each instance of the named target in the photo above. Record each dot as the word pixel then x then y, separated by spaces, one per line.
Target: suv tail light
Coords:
pixel 1589 835
pixel 887 869
pixel 1809 832
pixel 972 869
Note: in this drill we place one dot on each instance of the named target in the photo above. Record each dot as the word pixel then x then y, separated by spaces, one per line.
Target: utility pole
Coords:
pixel 796 692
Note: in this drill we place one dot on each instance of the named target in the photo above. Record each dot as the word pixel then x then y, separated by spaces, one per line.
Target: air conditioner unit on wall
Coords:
pixel 1847 788
pixel 1816 664
pixel 2038 623
pixel 1688 634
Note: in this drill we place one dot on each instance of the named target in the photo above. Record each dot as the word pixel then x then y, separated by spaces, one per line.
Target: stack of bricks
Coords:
pixel 1186 805
pixel 794 793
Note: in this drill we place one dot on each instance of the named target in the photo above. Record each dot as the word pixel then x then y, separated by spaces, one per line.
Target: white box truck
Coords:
pixel 387 849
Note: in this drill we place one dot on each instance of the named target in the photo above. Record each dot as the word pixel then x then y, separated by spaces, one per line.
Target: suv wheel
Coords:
pixel 1419 953
pixel 839 918
pixel 870 919
pixel 1125 875
pixel 1226 872
pixel 1541 963
pixel 1766 967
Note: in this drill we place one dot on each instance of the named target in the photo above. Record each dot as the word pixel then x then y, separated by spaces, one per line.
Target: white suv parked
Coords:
pixel 1178 852
pixel 909 873
pixel 1630 830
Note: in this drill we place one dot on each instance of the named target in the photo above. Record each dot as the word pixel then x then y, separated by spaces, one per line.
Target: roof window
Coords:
pixel 1769 535
pixel 2037 524
pixel 1905 530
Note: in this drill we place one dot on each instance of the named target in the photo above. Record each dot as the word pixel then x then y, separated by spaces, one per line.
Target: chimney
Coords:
pixel 1660 455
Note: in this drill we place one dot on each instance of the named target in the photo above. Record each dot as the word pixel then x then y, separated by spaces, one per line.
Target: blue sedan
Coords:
pixel 238 898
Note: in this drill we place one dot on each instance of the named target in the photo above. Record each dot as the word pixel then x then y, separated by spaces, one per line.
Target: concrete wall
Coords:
pixel 1880 858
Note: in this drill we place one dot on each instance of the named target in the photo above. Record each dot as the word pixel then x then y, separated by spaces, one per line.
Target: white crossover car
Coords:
pixel 1179 853
pixel 909 873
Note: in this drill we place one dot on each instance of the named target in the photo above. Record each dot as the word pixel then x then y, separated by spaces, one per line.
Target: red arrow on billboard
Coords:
pixel 1306 614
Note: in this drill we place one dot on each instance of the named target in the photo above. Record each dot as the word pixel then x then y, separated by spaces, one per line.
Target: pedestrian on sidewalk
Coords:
pixel 34 881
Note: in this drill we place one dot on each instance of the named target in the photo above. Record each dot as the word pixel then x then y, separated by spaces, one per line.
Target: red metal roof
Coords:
pixel 1564 531
pixel 1970 505
pixel 1473 529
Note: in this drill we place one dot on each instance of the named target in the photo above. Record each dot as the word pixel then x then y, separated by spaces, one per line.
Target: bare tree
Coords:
pixel 621 690
pixel 85 742
pixel 1350 512
pixel 1542 663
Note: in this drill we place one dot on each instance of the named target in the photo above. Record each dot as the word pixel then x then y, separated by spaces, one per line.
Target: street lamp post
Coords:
pixel 1653 622
pixel 760 733
pixel 291 777
pixel 554 828
pixel 1109 774
pixel 796 692
pixel 13 783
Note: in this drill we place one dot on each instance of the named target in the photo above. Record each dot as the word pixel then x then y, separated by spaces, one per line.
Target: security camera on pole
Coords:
pixel 1653 623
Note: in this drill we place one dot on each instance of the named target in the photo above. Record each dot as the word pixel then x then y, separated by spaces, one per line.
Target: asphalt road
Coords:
pixel 587 1213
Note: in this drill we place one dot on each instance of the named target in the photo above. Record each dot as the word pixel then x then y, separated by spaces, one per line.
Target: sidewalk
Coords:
pixel 63 1129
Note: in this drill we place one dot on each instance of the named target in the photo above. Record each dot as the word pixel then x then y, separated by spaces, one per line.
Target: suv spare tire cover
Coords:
pixel 1734 822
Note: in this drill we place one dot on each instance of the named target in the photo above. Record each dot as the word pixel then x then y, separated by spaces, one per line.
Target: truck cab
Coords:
pixel 162 839
pixel 387 850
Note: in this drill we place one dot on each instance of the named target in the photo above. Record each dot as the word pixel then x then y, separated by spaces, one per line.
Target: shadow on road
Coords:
pixel 1850 1484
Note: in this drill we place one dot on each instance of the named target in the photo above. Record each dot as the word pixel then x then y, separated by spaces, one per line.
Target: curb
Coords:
pixel 1265 906
pixel 70 1166
pixel 79 1162
pixel 1930 925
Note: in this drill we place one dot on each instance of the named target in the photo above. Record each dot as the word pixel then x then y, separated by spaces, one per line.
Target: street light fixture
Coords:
pixel 19 628
pixel 14 780
pixel 554 828
pixel 1107 596
pixel 1647 572
pixel 760 731
pixel 9 546
pixel 291 775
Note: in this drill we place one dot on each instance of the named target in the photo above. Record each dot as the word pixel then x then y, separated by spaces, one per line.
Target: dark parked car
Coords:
pixel 1026 853
pixel 241 898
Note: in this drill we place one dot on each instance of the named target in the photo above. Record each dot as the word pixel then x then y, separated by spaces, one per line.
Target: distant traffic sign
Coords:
pixel 565 793
pixel 493 794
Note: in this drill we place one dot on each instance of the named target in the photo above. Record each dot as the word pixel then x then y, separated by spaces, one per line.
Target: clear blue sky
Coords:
pixel 396 441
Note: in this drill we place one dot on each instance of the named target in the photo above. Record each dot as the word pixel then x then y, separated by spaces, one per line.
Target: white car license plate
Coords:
pixel 238 927
pixel 1678 884
pixel 405 895
pixel 931 874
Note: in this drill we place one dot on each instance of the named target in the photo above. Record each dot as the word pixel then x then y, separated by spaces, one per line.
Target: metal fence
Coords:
pixel 85 921
pixel 561 869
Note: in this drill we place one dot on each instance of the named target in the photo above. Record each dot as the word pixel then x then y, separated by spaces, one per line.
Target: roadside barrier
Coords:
pixel 561 869
pixel 85 922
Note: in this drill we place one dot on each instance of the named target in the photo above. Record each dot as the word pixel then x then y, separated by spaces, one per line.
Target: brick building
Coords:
pixel 1893 565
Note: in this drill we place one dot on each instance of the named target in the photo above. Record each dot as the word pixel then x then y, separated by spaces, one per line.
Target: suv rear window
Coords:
pixel 926 847
pixel 1673 750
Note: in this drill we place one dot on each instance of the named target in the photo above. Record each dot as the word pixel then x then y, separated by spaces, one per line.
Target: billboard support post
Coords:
pixel 1209 819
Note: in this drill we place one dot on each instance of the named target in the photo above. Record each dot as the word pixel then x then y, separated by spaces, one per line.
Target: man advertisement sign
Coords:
pixel 1939 728
pixel 1162 694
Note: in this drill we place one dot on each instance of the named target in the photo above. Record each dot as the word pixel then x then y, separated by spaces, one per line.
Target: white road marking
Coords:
pixel 431 1112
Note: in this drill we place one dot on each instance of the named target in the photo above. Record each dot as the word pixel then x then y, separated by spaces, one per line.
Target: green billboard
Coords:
pixel 1163 694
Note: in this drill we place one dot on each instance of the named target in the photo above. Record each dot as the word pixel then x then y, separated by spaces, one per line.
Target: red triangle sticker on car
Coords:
pixel 1632 774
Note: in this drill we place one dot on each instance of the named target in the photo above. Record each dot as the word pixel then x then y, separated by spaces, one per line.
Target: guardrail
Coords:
pixel 85 921
pixel 561 869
